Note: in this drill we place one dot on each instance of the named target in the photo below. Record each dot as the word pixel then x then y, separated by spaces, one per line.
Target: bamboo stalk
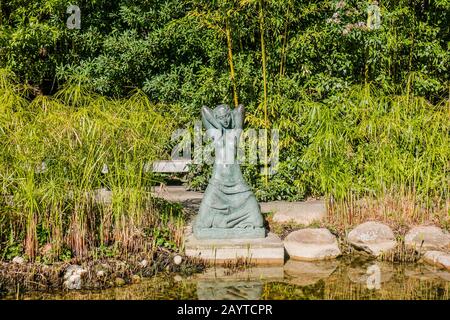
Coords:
pixel 264 64
pixel 283 46
pixel 230 61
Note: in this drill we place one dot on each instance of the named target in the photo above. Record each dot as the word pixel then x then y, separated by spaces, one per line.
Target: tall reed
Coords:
pixel 62 158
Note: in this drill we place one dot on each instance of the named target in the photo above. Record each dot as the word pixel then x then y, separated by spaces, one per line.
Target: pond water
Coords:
pixel 296 280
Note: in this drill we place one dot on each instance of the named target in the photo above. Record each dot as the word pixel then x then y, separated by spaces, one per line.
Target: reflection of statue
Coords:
pixel 228 209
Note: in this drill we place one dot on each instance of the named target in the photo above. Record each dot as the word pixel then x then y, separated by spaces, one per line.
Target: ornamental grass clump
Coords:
pixel 72 172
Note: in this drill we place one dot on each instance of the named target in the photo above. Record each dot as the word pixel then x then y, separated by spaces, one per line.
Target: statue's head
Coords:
pixel 223 114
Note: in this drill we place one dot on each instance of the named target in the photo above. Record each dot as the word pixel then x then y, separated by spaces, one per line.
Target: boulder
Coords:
pixel 299 212
pixel 427 238
pixel 312 244
pixel 72 277
pixel 437 258
pixel 372 237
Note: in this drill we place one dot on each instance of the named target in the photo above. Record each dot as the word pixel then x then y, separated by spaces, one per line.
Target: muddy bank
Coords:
pixel 20 276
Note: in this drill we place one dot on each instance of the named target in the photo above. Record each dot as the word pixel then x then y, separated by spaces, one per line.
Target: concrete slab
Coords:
pixel 176 193
pixel 263 251
pixel 300 212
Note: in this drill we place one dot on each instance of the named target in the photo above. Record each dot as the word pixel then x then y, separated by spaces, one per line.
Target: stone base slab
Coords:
pixel 229 233
pixel 262 251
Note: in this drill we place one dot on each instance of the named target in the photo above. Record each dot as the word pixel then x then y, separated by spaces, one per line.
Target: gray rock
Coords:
pixel 373 237
pixel 72 277
pixel 299 212
pixel 437 258
pixel 312 244
pixel 427 238
pixel 18 260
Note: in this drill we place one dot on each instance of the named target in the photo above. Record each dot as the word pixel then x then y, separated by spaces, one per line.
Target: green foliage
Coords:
pixel 176 51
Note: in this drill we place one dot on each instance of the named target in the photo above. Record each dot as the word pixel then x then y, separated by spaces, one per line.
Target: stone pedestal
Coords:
pixel 262 251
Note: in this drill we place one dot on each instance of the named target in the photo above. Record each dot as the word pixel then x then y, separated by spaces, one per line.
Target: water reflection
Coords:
pixel 229 290
pixel 305 273
pixel 336 279
pixel 373 274
pixel 226 284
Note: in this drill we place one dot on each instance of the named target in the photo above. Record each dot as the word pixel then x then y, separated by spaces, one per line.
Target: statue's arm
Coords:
pixel 238 115
pixel 209 121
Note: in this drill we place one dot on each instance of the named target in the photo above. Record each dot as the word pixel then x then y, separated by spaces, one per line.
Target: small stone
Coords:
pixel 18 260
pixel 72 277
pixel 143 263
pixel 119 282
pixel 177 259
pixel 306 273
pixel 101 273
pixel 312 244
pixel 373 237
pixel 427 238
pixel 135 278
pixel 437 258
pixel 177 278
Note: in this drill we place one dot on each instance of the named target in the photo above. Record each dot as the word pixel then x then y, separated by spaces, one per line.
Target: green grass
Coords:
pixel 76 133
